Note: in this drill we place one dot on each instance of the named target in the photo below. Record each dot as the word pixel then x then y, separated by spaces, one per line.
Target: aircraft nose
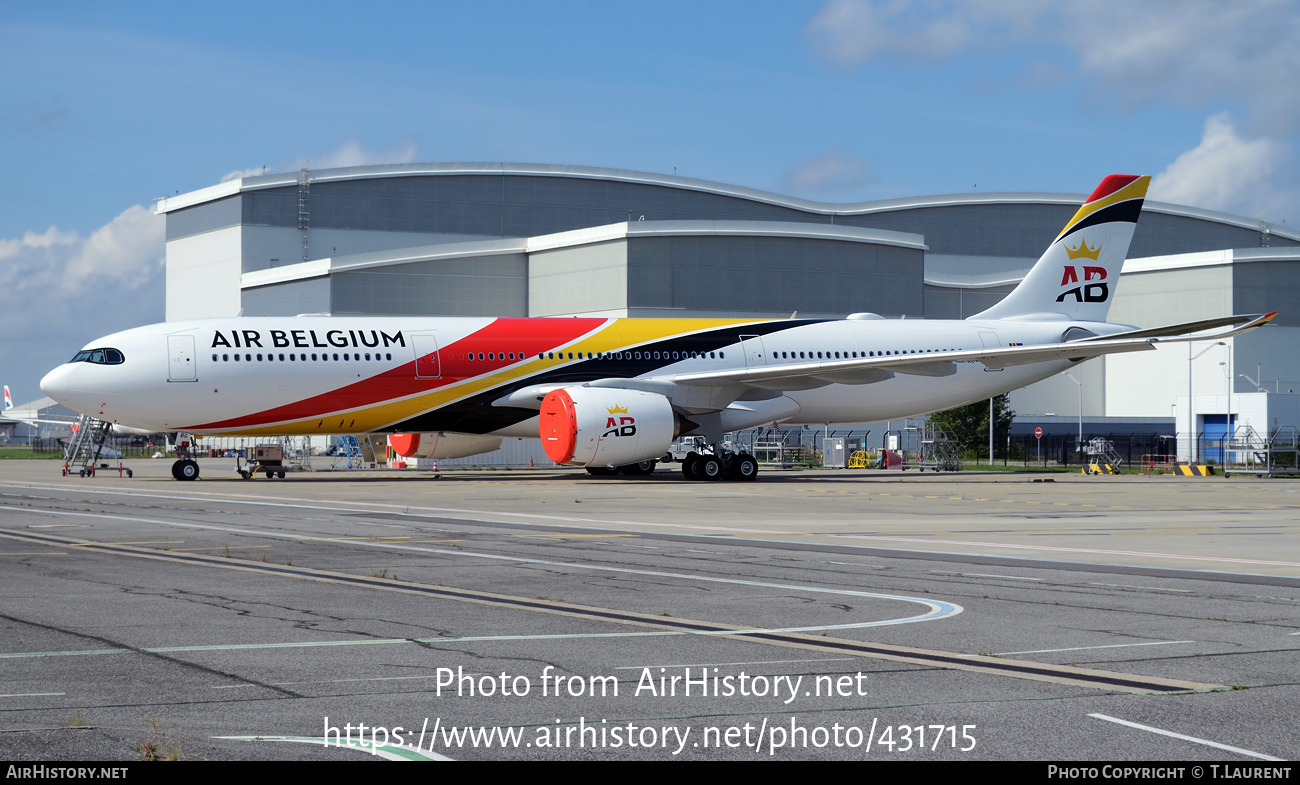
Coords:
pixel 56 384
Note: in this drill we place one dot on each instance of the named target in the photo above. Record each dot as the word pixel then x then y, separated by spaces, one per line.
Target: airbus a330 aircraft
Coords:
pixel 614 393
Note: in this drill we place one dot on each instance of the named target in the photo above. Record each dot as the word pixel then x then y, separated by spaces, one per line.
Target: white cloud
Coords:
pixel 30 240
pixel 350 153
pixel 1225 172
pixel 60 290
pixel 833 172
pixel 1141 51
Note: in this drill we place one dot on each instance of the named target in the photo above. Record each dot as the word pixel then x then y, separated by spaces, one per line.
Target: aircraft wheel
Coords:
pixel 689 465
pixel 639 469
pixel 709 468
pixel 745 467
pixel 189 470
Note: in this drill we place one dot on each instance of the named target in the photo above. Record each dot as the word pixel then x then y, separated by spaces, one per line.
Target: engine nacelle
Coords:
pixel 441 444
pixel 593 426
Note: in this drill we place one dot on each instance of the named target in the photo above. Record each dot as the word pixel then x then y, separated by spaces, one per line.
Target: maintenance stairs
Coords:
pixel 354 453
pixel 85 447
pixel 1103 458
pixel 938 452
pixel 1251 452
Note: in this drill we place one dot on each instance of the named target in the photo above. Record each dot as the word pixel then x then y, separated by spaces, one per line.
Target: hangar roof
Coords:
pixel 596 234
pixel 281 180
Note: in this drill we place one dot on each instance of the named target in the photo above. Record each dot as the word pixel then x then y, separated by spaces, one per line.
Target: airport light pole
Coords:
pixel 1078 446
pixel 1191 410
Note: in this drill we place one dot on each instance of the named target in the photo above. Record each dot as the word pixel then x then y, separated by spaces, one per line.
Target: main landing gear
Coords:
pixel 632 469
pixel 696 466
pixel 724 466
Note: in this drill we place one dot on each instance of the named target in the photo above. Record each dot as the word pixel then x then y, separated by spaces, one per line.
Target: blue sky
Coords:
pixel 104 107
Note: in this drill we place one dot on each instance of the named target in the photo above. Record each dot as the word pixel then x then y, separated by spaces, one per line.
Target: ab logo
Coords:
pixel 623 426
pixel 1090 292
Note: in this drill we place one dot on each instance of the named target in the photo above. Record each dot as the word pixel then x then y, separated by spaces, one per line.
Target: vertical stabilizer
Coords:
pixel 1075 277
pixel 9 402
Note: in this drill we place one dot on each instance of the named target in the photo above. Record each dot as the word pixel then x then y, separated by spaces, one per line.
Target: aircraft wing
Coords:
pixel 806 375
pixel 944 363
pixel 12 417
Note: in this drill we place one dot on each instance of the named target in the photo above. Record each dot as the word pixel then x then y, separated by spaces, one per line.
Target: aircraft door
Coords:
pixel 427 362
pixel 990 341
pixel 180 359
pixel 753 348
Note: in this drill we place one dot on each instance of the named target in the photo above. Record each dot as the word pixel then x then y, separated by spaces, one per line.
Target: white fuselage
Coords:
pixel 360 374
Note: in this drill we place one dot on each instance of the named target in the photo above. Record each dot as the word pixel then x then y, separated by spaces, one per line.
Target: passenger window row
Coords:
pixel 293 357
pixel 850 355
pixel 635 355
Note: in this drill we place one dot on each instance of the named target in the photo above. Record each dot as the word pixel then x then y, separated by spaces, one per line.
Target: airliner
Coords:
pixel 612 394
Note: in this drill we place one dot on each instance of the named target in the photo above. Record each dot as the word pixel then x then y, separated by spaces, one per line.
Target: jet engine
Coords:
pixel 441 444
pixel 594 426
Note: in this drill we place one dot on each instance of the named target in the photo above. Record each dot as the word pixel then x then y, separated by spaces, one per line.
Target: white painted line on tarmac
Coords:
pixel 417 512
pixel 1085 648
pixel 937 609
pixel 1171 734
pixel 721 664
pixel 986 575
pixel 325 681
pixel 385 751
pixel 33 694
pixel 1143 588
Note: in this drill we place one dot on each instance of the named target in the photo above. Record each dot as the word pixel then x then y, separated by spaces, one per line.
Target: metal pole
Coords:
pixel 990 432
pixel 1191 444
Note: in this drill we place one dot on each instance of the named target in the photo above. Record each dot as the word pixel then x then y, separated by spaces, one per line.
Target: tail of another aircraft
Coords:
pixel 1075 278
pixel 9 402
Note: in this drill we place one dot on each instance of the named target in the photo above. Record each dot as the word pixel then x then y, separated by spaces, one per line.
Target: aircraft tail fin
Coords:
pixel 1075 277
pixel 9 402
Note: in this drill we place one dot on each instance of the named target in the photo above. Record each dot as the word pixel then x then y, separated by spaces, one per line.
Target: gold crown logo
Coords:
pixel 616 409
pixel 1082 251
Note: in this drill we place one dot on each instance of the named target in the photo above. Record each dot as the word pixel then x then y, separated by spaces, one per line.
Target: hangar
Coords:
pixel 479 239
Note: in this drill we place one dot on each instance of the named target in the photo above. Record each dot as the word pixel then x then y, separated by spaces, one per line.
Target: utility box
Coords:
pixel 268 454
pixel 835 454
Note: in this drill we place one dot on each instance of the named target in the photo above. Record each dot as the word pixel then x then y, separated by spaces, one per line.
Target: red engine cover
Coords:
pixel 405 444
pixel 558 423
pixel 596 426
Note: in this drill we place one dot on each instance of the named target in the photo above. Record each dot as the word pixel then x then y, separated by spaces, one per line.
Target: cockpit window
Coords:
pixel 99 357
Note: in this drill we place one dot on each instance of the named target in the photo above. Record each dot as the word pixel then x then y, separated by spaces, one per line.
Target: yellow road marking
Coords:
pixel 218 548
